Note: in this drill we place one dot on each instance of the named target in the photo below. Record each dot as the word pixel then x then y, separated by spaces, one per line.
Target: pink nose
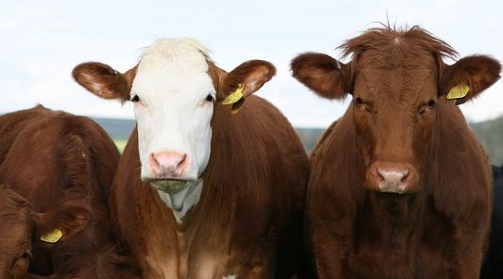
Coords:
pixel 392 178
pixel 168 164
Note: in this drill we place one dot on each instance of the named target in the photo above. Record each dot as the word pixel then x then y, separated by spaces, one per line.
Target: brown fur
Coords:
pixel 253 70
pixel 248 220
pixel 21 226
pixel 64 164
pixel 15 246
pixel 110 82
pixel 399 114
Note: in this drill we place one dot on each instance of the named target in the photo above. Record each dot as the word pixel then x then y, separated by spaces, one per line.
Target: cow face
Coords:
pixel 174 88
pixel 399 84
pixel 21 227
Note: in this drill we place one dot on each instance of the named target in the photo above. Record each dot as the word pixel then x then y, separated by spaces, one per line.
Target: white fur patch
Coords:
pixel 175 46
pixel 184 200
pixel 230 277
pixel 173 83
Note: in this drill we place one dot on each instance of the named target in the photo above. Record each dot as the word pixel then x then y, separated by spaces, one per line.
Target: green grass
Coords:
pixel 121 144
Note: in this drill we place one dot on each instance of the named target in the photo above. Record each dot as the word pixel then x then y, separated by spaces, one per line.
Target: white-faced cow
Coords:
pixel 201 192
pixel 400 187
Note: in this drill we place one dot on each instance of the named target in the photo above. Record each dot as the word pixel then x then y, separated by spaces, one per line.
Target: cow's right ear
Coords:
pixel 62 223
pixel 103 81
pixel 323 74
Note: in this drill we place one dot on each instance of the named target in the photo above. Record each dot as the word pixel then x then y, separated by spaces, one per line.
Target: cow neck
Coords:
pixel 395 212
pixel 180 203
pixel 391 226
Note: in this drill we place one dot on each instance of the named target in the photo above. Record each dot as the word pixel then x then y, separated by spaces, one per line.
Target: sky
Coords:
pixel 41 42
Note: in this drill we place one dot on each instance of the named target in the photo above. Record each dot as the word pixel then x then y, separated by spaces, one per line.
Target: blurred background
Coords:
pixel 41 42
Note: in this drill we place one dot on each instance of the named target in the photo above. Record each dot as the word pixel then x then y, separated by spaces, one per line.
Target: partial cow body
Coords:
pixel 492 267
pixel 207 194
pixel 64 164
pixel 15 247
pixel 399 187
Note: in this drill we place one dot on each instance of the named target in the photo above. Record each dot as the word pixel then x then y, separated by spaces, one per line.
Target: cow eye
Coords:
pixel 27 255
pixel 209 98
pixel 359 100
pixel 431 103
pixel 135 98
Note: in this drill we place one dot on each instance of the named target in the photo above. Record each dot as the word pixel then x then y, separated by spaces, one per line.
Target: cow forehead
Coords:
pixel 410 81
pixel 172 65
pixel 157 66
pixel 171 78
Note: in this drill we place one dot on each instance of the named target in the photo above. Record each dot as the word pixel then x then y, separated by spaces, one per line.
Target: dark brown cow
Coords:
pixel 400 187
pixel 221 195
pixel 20 225
pixel 54 160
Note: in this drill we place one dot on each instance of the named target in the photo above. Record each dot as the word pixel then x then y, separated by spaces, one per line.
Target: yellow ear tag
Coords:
pixel 52 236
pixel 237 106
pixel 235 96
pixel 459 91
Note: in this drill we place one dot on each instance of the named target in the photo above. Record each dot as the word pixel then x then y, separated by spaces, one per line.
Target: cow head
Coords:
pixel 21 227
pixel 174 89
pixel 399 84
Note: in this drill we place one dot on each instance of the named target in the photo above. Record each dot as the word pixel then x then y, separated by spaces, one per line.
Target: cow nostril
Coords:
pixel 181 162
pixel 379 175
pixel 153 160
pixel 405 175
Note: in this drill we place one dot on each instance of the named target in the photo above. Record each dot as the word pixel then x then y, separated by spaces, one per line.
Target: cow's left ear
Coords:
pixel 247 77
pixel 468 77
pixel 60 224
pixel 233 87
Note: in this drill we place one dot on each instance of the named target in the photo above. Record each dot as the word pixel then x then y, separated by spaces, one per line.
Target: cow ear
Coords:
pixel 103 81
pixel 62 223
pixel 323 74
pixel 20 201
pixel 249 76
pixel 468 77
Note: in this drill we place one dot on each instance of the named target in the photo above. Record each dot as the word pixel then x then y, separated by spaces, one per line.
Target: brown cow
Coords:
pixel 53 160
pixel 20 225
pixel 400 187
pixel 200 192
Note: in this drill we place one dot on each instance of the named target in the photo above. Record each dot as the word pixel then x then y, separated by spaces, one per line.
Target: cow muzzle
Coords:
pixel 387 177
pixel 168 164
pixel 168 171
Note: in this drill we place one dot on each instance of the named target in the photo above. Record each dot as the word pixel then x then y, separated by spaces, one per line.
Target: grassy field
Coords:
pixel 121 144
